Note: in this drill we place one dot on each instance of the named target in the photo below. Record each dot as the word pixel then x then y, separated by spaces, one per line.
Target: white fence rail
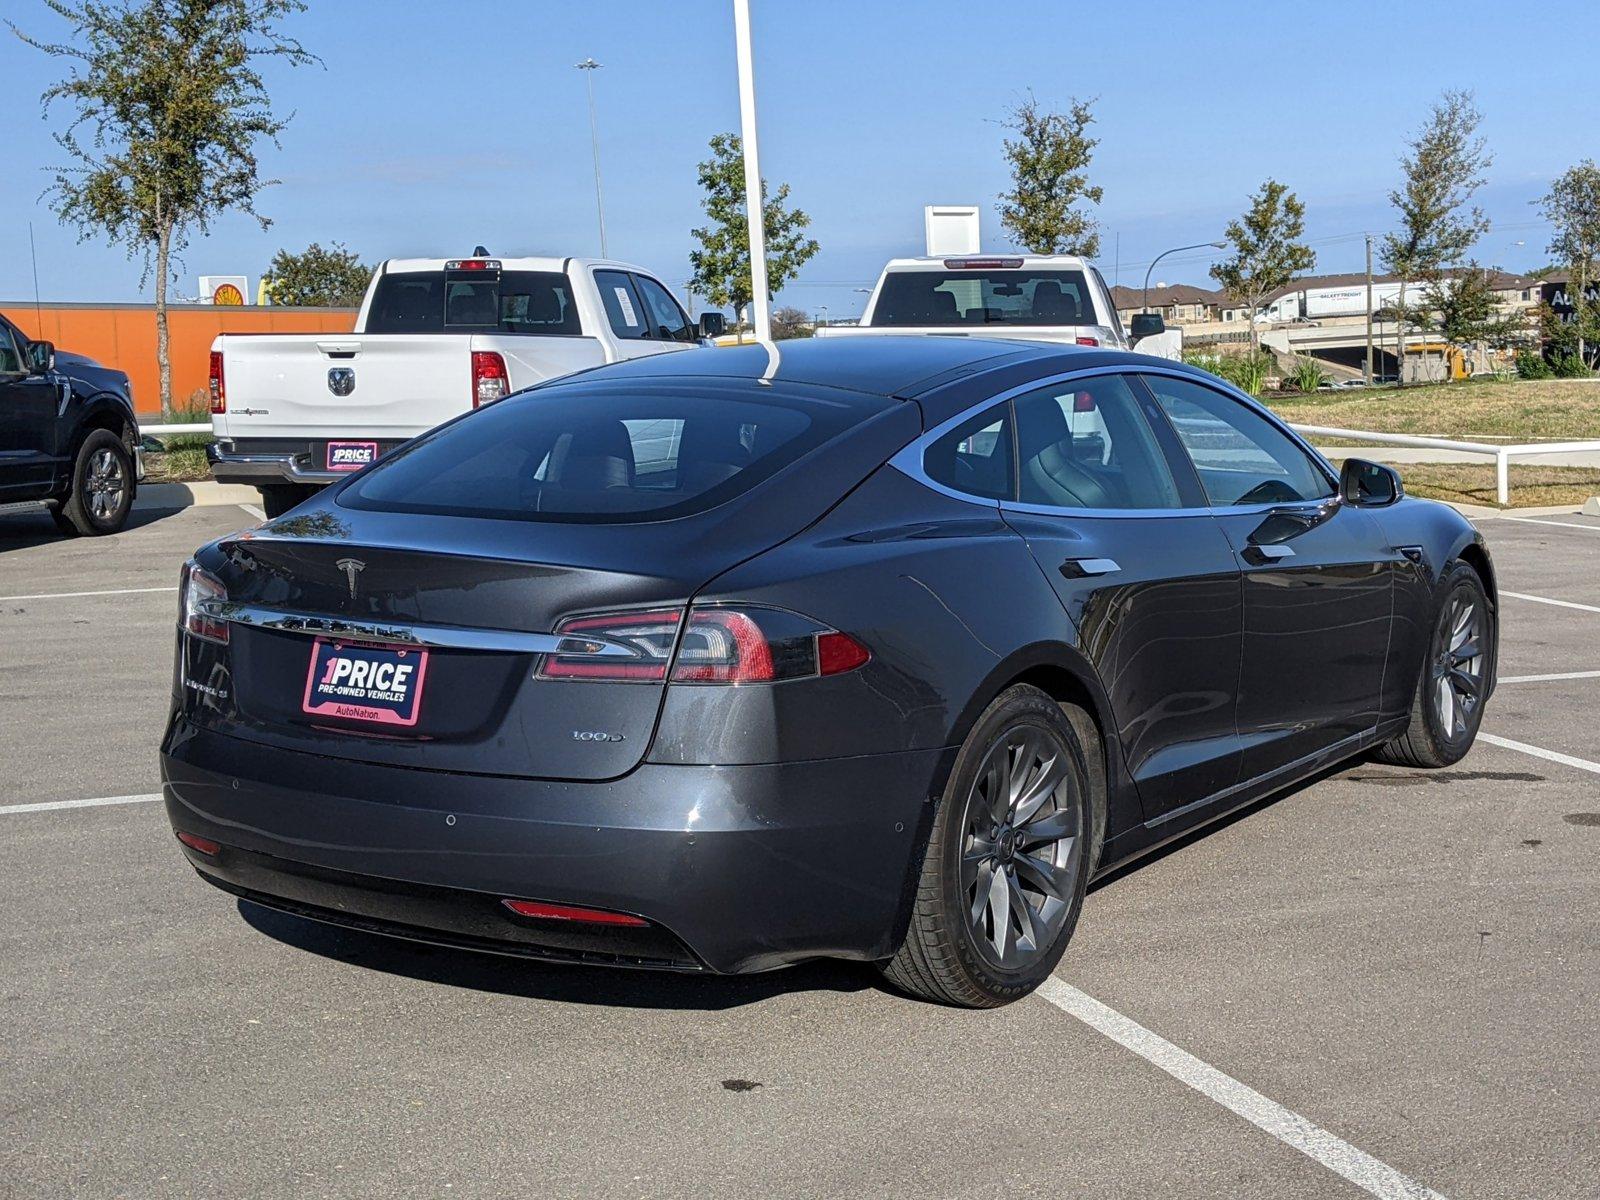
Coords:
pixel 1502 455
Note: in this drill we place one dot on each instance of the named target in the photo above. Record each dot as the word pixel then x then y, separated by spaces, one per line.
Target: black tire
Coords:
pixel 955 951
pixel 102 486
pixel 279 498
pixel 1427 742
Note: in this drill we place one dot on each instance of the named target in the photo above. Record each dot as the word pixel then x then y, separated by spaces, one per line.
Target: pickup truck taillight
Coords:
pixel 219 388
pixel 489 378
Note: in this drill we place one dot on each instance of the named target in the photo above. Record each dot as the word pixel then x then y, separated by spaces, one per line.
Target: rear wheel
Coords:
pixel 1448 705
pixel 1008 859
pixel 102 486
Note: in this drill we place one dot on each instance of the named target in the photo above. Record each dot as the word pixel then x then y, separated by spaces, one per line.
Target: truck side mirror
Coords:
pixel 41 358
pixel 1147 325
pixel 713 324
pixel 1369 484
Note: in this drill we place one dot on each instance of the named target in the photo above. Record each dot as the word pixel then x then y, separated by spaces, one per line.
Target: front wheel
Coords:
pixel 1007 862
pixel 1448 705
pixel 102 487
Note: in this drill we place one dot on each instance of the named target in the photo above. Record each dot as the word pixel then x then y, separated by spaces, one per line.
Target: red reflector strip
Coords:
pixel 195 842
pixel 566 912
pixel 838 653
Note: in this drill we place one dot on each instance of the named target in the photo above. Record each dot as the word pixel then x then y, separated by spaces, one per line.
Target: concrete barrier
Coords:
pixel 185 495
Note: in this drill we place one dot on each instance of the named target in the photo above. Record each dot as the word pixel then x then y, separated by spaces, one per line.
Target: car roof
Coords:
pixel 886 366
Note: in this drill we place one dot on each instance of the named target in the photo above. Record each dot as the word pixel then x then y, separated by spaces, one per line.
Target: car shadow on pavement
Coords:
pixel 535 980
pixel 18 531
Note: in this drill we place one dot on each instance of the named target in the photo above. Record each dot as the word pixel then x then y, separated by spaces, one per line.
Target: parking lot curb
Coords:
pixel 186 495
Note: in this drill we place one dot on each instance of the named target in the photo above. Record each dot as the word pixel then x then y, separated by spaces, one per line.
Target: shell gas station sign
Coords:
pixel 224 289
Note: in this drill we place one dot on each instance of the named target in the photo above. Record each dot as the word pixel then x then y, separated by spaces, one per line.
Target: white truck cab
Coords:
pixel 434 338
pixel 1040 297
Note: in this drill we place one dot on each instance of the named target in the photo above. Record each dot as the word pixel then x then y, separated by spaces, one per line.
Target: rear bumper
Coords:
pixel 736 868
pixel 234 466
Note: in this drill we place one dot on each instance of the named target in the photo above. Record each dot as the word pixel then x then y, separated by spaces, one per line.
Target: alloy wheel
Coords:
pixel 104 484
pixel 1021 846
pixel 1458 664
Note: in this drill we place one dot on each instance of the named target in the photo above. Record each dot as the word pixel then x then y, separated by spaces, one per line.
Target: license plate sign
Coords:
pixel 351 456
pixel 378 685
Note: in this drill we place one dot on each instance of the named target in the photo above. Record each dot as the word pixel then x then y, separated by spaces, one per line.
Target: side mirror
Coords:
pixel 1147 325
pixel 41 358
pixel 1369 484
pixel 713 324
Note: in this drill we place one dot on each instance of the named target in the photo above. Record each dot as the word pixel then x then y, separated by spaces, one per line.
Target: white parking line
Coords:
pixel 254 511
pixel 1338 1155
pixel 1548 678
pixel 1558 603
pixel 48 805
pixel 1558 524
pixel 74 595
pixel 1567 760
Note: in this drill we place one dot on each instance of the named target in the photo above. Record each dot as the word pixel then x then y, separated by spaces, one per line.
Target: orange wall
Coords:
pixel 124 336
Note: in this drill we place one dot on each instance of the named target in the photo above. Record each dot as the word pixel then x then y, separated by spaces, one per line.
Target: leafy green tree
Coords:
pixel 790 322
pixel 722 261
pixel 1442 171
pixel 1464 311
pixel 168 109
pixel 1267 251
pixel 335 277
pixel 1049 161
pixel 1572 206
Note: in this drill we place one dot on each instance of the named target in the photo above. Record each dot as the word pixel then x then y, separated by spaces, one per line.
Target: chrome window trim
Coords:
pixel 909 459
pixel 440 637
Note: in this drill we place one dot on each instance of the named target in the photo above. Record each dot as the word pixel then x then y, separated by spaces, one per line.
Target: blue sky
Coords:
pixel 435 126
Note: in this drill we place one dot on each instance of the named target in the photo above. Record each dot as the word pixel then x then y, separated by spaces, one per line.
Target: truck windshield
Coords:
pixel 474 301
pixel 998 297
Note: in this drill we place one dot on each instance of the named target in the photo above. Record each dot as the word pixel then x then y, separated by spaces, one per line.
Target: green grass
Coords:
pixel 1512 410
pixel 183 460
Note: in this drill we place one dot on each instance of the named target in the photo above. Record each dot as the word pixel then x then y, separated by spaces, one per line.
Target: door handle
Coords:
pixel 1271 553
pixel 1083 568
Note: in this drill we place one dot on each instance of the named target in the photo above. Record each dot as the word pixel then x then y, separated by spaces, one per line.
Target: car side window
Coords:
pixel 1085 444
pixel 623 308
pixel 975 457
pixel 10 352
pixel 1240 456
pixel 667 318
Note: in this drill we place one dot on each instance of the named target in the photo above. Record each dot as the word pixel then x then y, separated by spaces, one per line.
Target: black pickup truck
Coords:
pixel 68 436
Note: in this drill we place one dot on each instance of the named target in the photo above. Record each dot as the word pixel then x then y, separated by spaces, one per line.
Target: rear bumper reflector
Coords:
pixel 567 912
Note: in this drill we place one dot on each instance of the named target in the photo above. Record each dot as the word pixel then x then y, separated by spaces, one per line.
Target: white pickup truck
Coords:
pixel 1039 297
pixel 434 338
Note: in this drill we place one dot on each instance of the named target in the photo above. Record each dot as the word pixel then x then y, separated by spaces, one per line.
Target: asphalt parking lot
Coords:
pixel 1383 983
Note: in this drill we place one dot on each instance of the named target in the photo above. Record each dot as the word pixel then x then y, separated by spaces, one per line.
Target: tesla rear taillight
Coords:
pixel 718 644
pixel 1088 341
pixel 568 912
pixel 490 380
pixel 219 386
pixel 198 587
pixel 196 842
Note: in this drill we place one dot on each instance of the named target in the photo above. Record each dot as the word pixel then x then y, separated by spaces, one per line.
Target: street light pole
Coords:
pixel 588 66
pixel 753 207
pixel 1369 310
pixel 824 309
pixel 1144 304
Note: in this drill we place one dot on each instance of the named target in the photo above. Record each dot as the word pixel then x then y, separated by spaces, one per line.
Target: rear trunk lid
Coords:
pixel 482 596
pixel 378 385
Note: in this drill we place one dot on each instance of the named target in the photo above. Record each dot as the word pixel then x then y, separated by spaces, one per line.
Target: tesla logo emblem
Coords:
pixel 351 567
pixel 341 380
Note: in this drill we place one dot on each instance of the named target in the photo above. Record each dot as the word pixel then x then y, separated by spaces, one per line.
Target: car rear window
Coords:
pixel 474 301
pixel 988 297
pixel 600 454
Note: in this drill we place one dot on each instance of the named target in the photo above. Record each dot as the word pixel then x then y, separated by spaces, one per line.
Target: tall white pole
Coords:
pixel 752 174
pixel 588 66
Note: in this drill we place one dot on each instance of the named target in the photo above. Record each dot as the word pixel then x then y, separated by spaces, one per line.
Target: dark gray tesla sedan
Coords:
pixel 873 648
